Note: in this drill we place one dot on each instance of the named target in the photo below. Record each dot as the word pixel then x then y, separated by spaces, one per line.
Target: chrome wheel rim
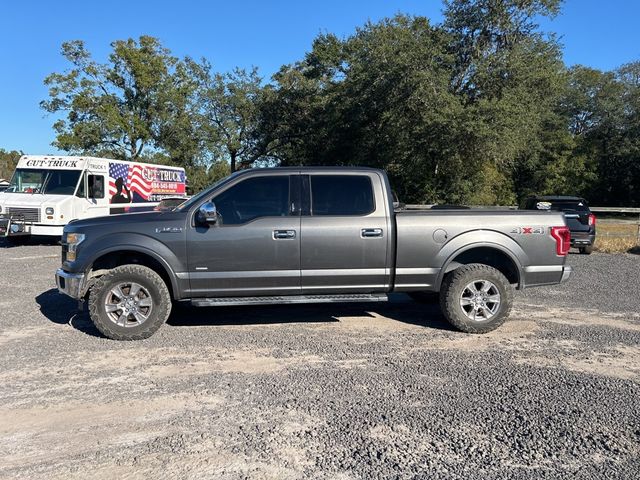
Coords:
pixel 128 304
pixel 480 300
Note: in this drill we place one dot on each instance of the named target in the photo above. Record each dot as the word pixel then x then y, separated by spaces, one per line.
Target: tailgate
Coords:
pixel 577 221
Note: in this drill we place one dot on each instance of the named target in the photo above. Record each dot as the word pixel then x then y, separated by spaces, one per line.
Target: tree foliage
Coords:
pixel 479 109
pixel 139 102
pixel 228 106
pixel 8 162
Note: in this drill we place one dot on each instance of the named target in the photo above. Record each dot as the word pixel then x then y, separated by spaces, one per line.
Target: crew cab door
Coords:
pixel 346 234
pixel 254 247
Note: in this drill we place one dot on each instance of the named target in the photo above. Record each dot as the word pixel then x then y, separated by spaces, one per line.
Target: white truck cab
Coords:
pixel 47 192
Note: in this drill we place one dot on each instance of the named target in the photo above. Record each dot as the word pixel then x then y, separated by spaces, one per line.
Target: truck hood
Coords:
pixel 30 199
pixel 123 221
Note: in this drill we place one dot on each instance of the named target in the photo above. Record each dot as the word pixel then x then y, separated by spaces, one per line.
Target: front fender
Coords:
pixel 131 242
pixel 480 238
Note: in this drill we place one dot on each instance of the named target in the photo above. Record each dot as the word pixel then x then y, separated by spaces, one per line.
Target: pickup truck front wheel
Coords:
pixel 476 298
pixel 129 302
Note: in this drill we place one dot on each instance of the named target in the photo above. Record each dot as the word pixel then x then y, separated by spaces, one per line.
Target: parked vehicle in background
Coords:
pixel 306 235
pixel 170 203
pixel 580 220
pixel 45 193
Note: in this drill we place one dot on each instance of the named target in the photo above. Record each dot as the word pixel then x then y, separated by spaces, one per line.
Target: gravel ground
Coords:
pixel 324 391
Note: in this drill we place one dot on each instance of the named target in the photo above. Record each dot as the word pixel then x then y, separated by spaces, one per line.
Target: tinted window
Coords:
pixel 341 195
pixel 253 198
pixel 96 186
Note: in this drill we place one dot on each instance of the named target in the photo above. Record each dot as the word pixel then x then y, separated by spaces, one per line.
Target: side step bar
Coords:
pixel 288 299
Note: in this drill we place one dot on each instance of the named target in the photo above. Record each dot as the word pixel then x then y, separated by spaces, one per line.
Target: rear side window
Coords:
pixel 253 198
pixel 341 195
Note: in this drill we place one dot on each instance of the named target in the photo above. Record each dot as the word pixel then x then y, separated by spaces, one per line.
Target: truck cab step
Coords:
pixel 289 299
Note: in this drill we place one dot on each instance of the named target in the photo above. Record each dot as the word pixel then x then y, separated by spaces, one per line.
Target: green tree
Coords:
pixel 8 161
pixel 604 116
pixel 228 111
pixel 138 102
pixel 399 94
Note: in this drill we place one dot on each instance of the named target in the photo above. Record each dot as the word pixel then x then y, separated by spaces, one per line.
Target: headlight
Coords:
pixel 48 210
pixel 73 240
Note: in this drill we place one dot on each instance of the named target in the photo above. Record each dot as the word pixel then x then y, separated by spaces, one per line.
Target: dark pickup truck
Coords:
pixel 580 221
pixel 304 235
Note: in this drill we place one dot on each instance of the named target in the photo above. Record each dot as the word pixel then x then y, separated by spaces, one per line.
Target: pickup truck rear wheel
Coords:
pixel 129 302
pixel 476 298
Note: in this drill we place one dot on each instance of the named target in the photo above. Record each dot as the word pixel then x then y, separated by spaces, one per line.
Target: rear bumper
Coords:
pixel 71 284
pixel 539 275
pixel 566 273
pixel 579 239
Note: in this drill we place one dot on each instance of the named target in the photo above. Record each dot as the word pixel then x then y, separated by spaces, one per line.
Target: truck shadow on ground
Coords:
pixel 28 241
pixel 62 310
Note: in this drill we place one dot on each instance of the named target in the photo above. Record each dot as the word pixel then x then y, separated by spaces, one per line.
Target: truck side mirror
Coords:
pixel 207 213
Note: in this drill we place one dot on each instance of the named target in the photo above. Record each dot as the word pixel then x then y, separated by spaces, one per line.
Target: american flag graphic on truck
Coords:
pixel 135 183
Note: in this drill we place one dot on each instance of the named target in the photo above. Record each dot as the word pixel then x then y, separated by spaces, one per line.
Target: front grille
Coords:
pixel 24 214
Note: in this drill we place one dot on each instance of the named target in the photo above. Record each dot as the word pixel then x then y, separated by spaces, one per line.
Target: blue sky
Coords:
pixel 238 33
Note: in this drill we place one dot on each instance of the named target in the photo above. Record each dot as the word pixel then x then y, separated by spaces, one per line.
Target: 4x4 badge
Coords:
pixel 169 230
pixel 528 230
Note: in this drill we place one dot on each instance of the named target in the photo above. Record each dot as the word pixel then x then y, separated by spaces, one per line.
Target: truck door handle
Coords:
pixel 371 232
pixel 284 234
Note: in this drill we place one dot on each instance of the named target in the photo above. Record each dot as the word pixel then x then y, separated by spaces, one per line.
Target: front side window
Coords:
pixel 341 195
pixel 96 186
pixel 254 198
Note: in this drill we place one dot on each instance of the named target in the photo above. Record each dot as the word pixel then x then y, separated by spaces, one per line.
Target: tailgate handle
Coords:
pixel 371 232
pixel 284 234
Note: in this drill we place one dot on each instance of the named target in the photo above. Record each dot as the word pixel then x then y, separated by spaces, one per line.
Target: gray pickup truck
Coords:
pixel 305 235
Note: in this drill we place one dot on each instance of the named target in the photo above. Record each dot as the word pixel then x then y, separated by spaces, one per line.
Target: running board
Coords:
pixel 288 299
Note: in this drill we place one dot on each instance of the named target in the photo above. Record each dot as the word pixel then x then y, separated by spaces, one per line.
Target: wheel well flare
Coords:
pixel 488 256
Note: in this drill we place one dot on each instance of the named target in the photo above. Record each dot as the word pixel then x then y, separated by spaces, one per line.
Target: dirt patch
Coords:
pixel 15 335
pixel 33 435
pixel 572 316
pixel 622 363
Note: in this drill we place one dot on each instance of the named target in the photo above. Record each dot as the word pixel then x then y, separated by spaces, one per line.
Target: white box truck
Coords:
pixel 47 192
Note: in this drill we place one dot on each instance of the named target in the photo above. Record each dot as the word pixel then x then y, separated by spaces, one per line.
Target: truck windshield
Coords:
pixel 54 182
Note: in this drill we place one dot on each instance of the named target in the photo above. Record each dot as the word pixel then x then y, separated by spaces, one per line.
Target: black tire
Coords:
pixel 586 250
pixel 132 328
pixel 425 297
pixel 456 284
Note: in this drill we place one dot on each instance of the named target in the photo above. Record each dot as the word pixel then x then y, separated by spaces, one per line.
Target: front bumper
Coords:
pixel 72 284
pixel 11 227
